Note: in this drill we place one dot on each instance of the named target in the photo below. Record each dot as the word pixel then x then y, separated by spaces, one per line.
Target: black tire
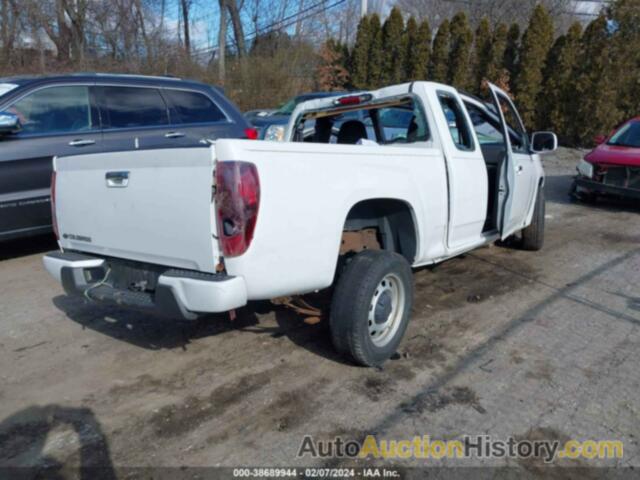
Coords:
pixel 533 235
pixel 350 306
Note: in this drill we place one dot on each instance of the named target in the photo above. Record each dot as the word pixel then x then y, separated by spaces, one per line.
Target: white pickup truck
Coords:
pixel 362 188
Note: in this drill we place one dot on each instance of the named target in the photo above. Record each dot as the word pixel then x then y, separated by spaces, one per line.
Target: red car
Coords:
pixel 613 167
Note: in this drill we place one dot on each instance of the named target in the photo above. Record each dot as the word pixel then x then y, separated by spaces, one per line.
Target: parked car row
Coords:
pixel 45 117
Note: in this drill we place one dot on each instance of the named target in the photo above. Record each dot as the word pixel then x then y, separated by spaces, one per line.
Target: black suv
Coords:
pixel 44 117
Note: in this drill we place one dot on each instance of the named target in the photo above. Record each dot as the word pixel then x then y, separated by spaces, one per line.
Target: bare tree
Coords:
pixel 186 6
pixel 76 12
pixel 236 22
pixel 222 41
pixel 9 25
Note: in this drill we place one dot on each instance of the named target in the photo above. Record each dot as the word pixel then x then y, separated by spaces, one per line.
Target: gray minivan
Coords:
pixel 43 117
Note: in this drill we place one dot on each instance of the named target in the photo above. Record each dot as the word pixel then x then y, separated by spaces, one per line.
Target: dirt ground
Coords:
pixel 502 342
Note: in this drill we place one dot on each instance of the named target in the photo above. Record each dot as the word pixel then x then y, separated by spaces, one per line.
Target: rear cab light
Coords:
pixel 353 99
pixel 237 201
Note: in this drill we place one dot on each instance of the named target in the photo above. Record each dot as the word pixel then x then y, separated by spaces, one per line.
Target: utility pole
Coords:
pixel 363 8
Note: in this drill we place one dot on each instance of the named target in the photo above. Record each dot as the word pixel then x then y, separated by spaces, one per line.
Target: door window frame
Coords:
pixel 526 149
pixel 464 115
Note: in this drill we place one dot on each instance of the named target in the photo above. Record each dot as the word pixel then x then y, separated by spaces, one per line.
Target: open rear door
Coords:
pixel 517 168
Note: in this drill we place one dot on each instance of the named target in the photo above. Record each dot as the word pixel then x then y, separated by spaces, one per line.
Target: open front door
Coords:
pixel 517 171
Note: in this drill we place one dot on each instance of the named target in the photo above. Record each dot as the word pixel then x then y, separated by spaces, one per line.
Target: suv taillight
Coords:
pixel 237 200
pixel 54 219
pixel 251 133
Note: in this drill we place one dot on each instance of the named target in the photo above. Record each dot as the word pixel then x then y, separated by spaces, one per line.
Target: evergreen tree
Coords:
pixel 556 104
pixel 376 57
pixel 481 53
pixel 625 16
pixel 394 48
pixel 360 54
pixel 536 43
pixel 418 40
pixel 410 37
pixel 440 54
pixel 596 85
pixel 460 51
pixel 510 61
pixel 496 71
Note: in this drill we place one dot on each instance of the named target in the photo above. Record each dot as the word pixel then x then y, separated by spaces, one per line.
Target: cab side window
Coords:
pixel 405 124
pixel 131 107
pixel 456 121
pixel 193 107
pixel 56 110
pixel 487 129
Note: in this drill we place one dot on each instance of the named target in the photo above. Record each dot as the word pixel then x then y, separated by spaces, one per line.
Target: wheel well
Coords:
pixel 393 224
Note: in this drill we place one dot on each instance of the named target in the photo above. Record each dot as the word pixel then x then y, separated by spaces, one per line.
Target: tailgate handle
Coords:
pixel 117 179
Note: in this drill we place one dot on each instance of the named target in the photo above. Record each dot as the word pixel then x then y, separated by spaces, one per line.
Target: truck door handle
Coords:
pixel 81 143
pixel 519 169
pixel 117 179
pixel 174 135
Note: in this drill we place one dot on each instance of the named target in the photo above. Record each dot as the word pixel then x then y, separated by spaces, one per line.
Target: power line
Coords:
pixel 279 24
pixel 268 27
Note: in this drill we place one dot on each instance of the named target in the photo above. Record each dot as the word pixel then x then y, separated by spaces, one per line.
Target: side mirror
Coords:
pixel 599 139
pixel 9 123
pixel 544 142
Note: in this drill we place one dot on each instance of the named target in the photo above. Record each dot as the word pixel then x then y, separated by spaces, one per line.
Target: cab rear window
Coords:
pixel 399 120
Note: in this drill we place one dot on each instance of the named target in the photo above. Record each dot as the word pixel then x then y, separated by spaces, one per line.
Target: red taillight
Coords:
pixel 251 133
pixel 237 200
pixel 54 219
pixel 349 100
pixel 353 99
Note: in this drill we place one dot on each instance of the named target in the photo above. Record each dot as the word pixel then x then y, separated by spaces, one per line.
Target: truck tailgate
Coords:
pixel 151 206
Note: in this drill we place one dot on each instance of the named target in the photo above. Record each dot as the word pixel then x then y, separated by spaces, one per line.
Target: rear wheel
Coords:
pixel 533 235
pixel 371 306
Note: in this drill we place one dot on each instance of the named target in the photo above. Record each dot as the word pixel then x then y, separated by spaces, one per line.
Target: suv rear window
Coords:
pixel 192 107
pixel 128 107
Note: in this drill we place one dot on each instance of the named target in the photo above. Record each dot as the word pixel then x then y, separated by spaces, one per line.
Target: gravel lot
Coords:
pixel 502 342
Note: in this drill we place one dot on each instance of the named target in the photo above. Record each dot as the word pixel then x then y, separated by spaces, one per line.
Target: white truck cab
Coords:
pixel 365 187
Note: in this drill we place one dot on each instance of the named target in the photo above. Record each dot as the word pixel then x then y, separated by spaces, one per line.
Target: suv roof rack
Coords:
pixel 128 75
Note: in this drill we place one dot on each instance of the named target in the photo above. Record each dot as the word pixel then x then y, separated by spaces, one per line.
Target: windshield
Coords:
pixel 627 136
pixel 289 107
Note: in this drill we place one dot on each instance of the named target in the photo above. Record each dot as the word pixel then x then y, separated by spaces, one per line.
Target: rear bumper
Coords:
pixel 178 293
pixel 597 187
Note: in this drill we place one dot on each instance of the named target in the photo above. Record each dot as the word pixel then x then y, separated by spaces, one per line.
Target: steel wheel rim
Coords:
pixel 388 295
